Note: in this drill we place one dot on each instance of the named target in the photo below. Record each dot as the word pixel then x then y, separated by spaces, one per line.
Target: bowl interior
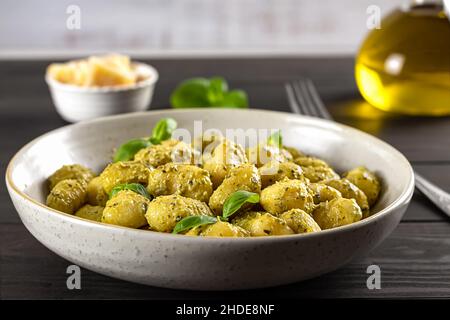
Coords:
pixel 92 144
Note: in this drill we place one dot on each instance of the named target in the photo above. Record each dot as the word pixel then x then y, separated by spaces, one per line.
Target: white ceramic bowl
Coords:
pixel 75 103
pixel 177 261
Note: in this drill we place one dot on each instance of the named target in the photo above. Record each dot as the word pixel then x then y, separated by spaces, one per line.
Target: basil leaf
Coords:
pixel 136 187
pixel 202 92
pixel 276 139
pixel 235 201
pixel 217 87
pixel 127 150
pixel 190 222
pixel 163 130
pixel 235 99
pixel 191 93
pixel 218 84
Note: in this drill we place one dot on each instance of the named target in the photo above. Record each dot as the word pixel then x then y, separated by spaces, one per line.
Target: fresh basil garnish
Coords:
pixel 136 187
pixel 216 90
pixel 275 139
pixel 127 150
pixel 235 201
pixel 232 204
pixel 235 99
pixel 190 222
pixel 191 93
pixel 202 92
pixel 163 130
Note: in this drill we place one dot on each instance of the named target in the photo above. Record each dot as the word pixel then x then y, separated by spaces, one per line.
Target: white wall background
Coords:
pixel 160 27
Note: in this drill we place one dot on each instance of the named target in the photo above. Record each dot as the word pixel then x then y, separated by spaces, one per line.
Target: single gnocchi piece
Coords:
pixel 164 212
pixel 264 153
pixel 367 181
pixel 219 157
pixel 245 177
pixel 316 169
pixel 318 174
pixel 127 208
pixel 74 171
pixel 89 212
pixel 322 192
pixel 218 229
pixel 67 195
pixel 217 172
pixel 305 161
pixel 276 171
pixel 294 152
pixel 124 172
pixel 337 212
pixel 350 191
pixel 286 195
pixel 96 194
pixel 186 180
pixel 299 221
pixel 168 151
pixel 262 224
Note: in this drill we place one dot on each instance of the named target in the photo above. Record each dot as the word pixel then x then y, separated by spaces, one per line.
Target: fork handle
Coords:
pixel 436 195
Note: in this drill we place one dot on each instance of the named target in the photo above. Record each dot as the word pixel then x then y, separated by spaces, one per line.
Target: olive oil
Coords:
pixel 404 66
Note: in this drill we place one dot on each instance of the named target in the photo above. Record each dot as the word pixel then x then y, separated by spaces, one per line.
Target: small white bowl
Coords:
pixel 183 262
pixel 75 103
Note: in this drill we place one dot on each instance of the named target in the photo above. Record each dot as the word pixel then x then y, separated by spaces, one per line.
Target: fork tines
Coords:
pixel 304 99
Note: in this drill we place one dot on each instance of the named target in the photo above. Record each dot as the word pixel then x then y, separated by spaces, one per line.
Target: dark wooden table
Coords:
pixel 414 260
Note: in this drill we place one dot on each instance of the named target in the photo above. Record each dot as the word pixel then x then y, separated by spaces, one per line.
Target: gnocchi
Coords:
pixel 366 181
pixel 219 229
pixel 215 187
pixel 244 177
pixel 224 156
pixel 186 180
pixel 337 212
pixel 299 221
pixel 168 151
pixel 67 196
pixel 89 212
pixel 274 171
pixel 124 172
pixel 126 209
pixel 286 195
pixel 164 212
pixel 74 171
pixel 263 224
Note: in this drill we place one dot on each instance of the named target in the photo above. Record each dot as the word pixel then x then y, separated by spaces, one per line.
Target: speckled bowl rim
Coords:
pixel 403 199
pixel 151 80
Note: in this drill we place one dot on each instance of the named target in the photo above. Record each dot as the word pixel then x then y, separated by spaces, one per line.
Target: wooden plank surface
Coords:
pixel 414 260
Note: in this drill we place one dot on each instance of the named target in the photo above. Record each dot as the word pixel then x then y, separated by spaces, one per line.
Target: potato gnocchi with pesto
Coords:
pixel 217 189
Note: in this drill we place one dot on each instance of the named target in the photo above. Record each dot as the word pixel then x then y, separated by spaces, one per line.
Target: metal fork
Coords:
pixel 304 99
